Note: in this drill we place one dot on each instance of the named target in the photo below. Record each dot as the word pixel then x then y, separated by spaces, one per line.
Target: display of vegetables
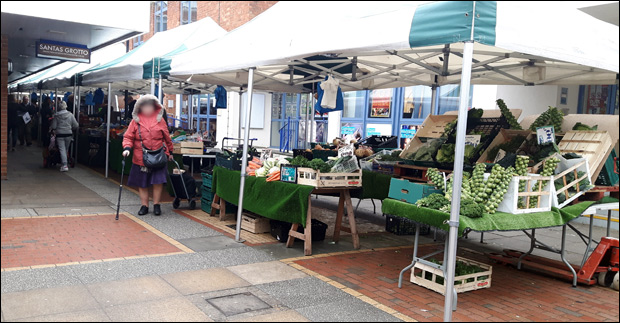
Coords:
pixel 469 208
pixel 510 146
pixel 583 185
pixel 427 151
pixel 465 187
pixel 436 178
pixel 582 127
pixel 477 182
pixel 552 117
pixel 548 169
pixel 434 201
pixel 512 121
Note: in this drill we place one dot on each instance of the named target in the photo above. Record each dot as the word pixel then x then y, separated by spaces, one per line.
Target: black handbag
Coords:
pixel 153 159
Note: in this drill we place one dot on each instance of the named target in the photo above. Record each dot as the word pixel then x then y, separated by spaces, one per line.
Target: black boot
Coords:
pixel 156 209
pixel 143 210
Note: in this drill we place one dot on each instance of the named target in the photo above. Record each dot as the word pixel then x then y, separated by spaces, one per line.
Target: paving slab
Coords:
pixel 74 210
pixel 130 291
pixel 351 310
pixel 110 271
pixel 210 243
pixel 280 316
pixel 28 279
pixel 49 301
pixel 238 304
pixel 236 256
pixel 177 263
pixel 96 315
pixel 266 272
pixel 201 281
pixel 303 292
pixel 175 309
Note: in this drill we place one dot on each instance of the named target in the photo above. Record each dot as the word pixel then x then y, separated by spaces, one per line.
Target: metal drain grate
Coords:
pixel 238 304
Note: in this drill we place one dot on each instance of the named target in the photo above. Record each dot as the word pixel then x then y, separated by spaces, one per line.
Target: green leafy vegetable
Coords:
pixel 512 121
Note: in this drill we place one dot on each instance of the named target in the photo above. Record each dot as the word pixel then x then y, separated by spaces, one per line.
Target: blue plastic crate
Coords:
pixel 410 192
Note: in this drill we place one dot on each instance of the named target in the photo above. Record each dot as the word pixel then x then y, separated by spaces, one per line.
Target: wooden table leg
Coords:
pixel 222 209
pixel 338 223
pixel 307 236
pixel 215 205
pixel 308 230
pixel 353 226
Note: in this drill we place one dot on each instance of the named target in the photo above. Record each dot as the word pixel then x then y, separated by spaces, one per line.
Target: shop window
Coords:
pixel 417 103
pixel 275 133
pixel 353 105
pixel 351 129
pixel 276 105
pixel 378 129
pixel 449 98
pixel 380 103
pixel 188 12
pixel 291 106
pixel 161 16
pixel 407 132
pixel 137 41
pixel 596 99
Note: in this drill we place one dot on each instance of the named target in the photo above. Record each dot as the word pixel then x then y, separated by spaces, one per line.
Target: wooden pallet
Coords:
pixel 594 146
pixel 414 173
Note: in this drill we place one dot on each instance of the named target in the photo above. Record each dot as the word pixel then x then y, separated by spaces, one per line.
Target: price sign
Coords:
pixel 472 140
pixel 545 135
pixel 266 153
pixel 346 151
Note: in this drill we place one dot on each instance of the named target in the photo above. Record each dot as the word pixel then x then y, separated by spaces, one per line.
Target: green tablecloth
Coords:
pixel 274 200
pixel 489 222
pixel 374 186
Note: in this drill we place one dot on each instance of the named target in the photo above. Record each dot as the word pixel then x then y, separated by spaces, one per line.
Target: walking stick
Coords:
pixel 120 189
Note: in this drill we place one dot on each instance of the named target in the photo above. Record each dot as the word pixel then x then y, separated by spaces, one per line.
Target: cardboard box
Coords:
pixel 503 136
pixel 433 126
pixel 189 144
pixel 188 151
pixel 595 146
pixel 492 113
pixel 406 191
pixel 255 223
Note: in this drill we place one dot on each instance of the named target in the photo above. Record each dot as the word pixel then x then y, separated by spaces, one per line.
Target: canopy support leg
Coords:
pixel 76 101
pixel 40 136
pixel 107 133
pixel 244 162
pixel 450 264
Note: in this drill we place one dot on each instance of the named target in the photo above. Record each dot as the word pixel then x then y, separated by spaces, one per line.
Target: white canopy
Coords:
pixel 127 71
pixel 524 43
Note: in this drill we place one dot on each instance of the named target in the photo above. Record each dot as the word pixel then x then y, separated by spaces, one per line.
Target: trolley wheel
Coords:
pixel 614 285
pixel 192 204
pixel 176 203
pixel 606 278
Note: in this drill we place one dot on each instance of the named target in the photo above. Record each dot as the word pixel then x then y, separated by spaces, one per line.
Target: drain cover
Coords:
pixel 238 304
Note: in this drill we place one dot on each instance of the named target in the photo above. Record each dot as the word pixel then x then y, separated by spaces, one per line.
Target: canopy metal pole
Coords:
pixel 244 162
pixel 190 111
pixel 451 297
pixel 433 98
pixel 160 92
pixel 76 100
pixel 152 85
pixel 107 134
pixel 73 107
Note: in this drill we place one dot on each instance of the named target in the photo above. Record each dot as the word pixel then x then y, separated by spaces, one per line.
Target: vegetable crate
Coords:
pixel 323 154
pixel 434 126
pixel 254 223
pixel 311 177
pixel 608 175
pixel 406 191
pixel 433 278
pixel 571 173
pixel 537 187
pixel 232 163
pixel 503 136
pixel 402 226
pixel 376 142
pixel 595 146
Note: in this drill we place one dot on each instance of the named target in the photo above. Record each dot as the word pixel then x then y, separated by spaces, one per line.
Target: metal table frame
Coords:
pixel 191 167
pixel 535 244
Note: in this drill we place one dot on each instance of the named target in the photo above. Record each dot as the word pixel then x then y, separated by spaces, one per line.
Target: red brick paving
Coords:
pixel 57 240
pixel 515 295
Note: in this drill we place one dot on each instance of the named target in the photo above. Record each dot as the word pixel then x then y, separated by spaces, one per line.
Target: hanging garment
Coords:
pixel 89 98
pixel 339 106
pixel 98 97
pixel 220 97
pixel 66 96
pixel 34 97
pixel 330 92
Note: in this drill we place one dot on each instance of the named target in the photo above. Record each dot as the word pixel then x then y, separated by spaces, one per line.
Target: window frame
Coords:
pixel 161 11
pixel 190 5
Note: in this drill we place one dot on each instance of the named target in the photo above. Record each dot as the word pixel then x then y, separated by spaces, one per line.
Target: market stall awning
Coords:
pixel 128 70
pixel 408 43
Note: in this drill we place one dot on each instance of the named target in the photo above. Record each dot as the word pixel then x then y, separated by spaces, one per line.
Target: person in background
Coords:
pixel 129 109
pixel 27 106
pixel 64 124
pixel 147 128
pixel 12 122
pixel 46 113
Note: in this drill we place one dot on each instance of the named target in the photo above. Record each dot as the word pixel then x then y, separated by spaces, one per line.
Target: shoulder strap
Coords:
pixel 140 135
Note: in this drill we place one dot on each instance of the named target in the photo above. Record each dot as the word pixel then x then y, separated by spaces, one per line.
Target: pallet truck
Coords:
pixel 600 267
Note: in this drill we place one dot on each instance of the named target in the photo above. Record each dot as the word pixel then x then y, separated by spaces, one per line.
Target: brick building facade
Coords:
pixel 228 14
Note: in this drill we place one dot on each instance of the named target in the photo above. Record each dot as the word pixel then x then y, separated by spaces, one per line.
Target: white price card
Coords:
pixel 545 135
pixel 472 140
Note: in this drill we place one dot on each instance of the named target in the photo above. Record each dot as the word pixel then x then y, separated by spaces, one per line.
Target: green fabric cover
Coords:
pixel 274 200
pixel 489 222
pixel 447 22
pixel 374 186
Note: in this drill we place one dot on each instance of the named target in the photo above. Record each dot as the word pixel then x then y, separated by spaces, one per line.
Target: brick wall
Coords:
pixel 4 48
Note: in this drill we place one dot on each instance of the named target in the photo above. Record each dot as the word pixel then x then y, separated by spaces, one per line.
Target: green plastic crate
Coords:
pixel 607 176
pixel 323 154
pixel 207 180
pixel 205 205
pixel 406 191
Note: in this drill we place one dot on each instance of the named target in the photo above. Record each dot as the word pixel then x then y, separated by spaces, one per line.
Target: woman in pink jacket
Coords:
pixel 148 128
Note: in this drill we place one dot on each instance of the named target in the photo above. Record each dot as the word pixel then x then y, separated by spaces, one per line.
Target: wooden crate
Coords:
pixel 536 186
pixel 462 284
pixel 188 151
pixel 594 146
pixel 255 223
pixel 189 144
pixel 503 136
pixel 414 173
pixel 433 126
pixel 311 177
pixel 570 166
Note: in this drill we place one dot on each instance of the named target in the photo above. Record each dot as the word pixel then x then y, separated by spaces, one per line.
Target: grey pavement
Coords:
pixel 206 285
